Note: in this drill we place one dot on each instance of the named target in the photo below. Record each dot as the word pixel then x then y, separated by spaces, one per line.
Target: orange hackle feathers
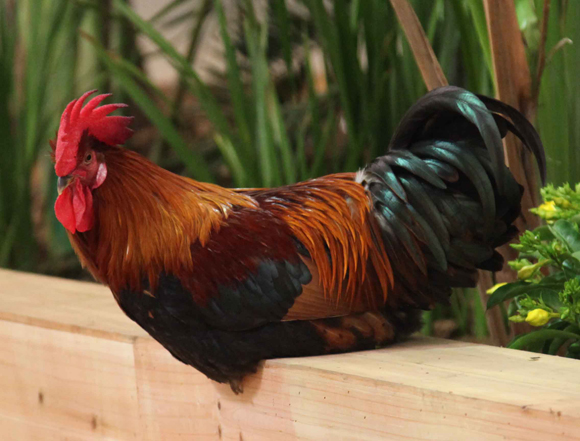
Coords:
pixel 331 217
pixel 147 217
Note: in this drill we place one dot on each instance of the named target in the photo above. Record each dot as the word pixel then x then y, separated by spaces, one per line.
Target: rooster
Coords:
pixel 224 278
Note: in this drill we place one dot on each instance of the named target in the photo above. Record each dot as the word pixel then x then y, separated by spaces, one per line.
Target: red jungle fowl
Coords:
pixel 224 278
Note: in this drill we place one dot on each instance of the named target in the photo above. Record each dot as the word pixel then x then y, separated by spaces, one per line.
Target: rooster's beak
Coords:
pixel 62 183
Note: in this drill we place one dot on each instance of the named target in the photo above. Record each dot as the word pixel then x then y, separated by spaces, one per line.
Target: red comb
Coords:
pixel 75 119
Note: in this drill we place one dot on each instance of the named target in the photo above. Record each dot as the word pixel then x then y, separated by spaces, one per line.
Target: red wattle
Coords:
pixel 83 207
pixel 64 211
pixel 74 208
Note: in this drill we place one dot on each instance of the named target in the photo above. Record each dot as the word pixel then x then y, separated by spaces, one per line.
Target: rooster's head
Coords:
pixel 83 134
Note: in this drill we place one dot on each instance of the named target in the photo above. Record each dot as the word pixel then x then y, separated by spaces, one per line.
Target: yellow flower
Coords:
pixel 548 206
pixel 538 317
pixel 548 210
pixel 495 287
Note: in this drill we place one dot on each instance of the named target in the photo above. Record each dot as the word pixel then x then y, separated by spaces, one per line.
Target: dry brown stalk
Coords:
pixel 423 52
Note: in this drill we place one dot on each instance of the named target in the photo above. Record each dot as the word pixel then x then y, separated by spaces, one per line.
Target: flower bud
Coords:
pixel 516 319
pixel 528 271
pixel 538 317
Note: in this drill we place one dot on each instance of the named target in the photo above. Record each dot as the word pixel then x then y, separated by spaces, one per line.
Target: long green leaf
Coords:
pixel 281 138
pixel 565 231
pixel 233 159
pixel 541 336
pixel 256 40
pixel 511 290
pixel 236 87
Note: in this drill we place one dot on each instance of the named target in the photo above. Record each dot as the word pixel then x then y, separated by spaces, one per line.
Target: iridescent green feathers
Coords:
pixel 443 195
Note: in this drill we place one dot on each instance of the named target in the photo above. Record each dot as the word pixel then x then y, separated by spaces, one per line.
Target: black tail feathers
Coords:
pixel 443 195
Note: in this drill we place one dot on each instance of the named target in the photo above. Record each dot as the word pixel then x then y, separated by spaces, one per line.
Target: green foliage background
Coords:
pixel 547 293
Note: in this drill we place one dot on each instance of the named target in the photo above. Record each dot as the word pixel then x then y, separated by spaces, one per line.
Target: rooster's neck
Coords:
pixel 146 219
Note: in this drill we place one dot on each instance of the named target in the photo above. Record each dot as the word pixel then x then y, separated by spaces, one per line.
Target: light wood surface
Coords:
pixel 81 386
pixel 78 369
pixel 67 305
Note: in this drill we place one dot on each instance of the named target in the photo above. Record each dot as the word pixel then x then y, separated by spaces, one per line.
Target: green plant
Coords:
pixel 43 65
pixel 558 112
pixel 37 42
pixel 547 293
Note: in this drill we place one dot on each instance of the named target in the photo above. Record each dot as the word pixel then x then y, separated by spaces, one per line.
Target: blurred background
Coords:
pixel 254 93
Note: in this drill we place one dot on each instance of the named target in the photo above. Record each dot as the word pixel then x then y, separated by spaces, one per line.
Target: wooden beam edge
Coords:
pixel 70 328
pixel 65 305
pixel 317 398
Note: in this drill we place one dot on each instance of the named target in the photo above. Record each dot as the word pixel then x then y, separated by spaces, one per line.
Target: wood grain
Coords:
pixel 176 402
pixel 81 381
pixel 66 305
pixel 65 383
pixel 425 389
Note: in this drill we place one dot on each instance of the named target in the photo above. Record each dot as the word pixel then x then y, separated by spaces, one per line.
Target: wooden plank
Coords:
pixel 67 383
pixel 80 380
pixel 176 402
pixel 426 389
pixel 516 378
pixel 67 305
pixel 19 429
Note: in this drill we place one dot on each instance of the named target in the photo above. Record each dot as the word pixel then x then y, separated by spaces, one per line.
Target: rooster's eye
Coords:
pixel 88 158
